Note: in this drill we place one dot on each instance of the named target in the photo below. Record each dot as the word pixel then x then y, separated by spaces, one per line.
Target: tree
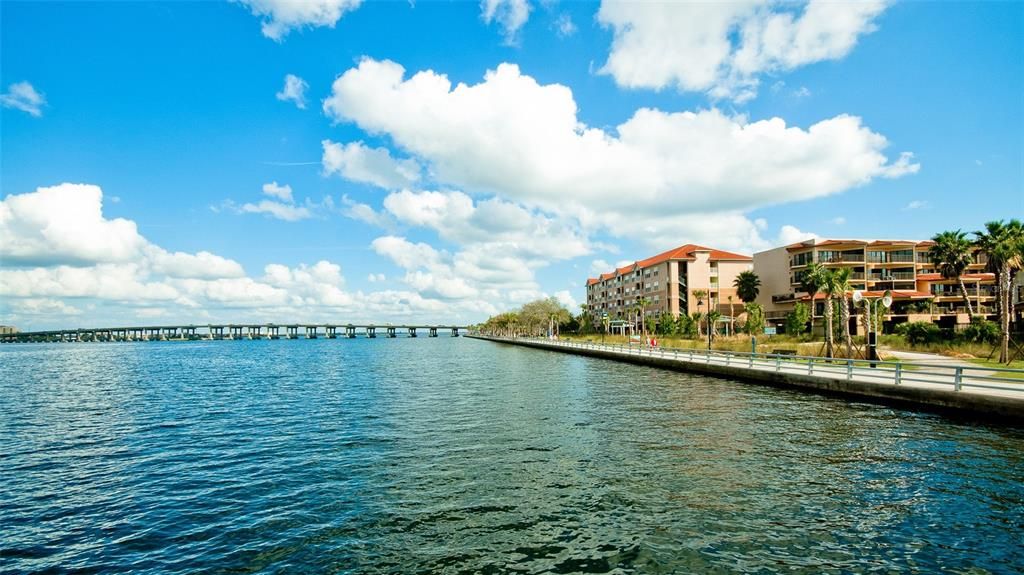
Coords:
pixel 643 303
pixel 700 294
pixel 685 326
pixel 755 318
pixel 830 287
pixel 951 256
pixel 747 285
pixel 796 320
pixel 732 318
pixel 666 325
pixel 841 283
pixel 812 281
pixel 697 317
pixel 713 316
pixel 1003 243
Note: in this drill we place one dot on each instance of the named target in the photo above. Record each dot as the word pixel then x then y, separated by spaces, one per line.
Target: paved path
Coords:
pixel 925 374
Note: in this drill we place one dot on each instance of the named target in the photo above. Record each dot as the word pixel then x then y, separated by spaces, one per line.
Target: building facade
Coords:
pixel 903 267
pixel 668 281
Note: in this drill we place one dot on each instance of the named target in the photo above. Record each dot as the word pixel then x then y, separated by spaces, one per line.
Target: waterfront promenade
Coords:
pixel 980 391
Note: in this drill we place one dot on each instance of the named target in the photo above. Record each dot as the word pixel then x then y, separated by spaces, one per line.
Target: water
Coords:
pixel 456 455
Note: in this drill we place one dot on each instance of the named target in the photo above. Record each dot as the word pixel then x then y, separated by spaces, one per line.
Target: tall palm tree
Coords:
pixel 643 303
pixel 1004 245
pixel 814 278
pixel 732 318
pixel 841 281
pixel 829 286
pixel 747 285
pixel 701 294
pixel 951 256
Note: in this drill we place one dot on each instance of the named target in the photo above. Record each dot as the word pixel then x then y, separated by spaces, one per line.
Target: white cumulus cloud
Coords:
pixel 23 96
pixel 282 16
pixel 510 14
pixel 294 91
pixel 511 136
pixel 360 163
pixel 274 190
pixel 723 47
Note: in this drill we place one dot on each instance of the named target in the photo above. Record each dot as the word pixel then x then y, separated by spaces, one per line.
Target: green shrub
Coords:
pixel 980 331
pixel 919 332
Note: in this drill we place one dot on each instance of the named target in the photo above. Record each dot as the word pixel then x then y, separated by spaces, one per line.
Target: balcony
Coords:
pixel 844 259
pixel 891 259
pixel 783 297
pixel 893 276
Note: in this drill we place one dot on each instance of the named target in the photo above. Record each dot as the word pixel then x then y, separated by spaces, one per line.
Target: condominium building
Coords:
pixel 668 281
pixel 904 267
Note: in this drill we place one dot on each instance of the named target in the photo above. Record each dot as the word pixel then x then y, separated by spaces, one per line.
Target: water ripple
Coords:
pixel 459 456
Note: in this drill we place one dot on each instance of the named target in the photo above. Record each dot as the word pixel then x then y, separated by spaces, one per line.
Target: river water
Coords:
pixel 464 456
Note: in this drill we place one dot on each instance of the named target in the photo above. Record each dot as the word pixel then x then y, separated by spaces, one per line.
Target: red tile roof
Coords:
pixel 680 253
pixel 686 253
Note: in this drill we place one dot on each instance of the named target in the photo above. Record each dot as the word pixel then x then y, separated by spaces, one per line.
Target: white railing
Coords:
pixel 896 373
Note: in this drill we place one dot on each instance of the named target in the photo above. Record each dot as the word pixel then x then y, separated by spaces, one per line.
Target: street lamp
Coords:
pixel 885 300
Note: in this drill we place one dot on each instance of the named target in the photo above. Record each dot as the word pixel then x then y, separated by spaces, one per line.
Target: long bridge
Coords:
pixel 229 331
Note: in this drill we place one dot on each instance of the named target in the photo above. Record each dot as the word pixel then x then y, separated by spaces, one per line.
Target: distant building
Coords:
pixel 919 292
pixel 8 329
pixel 668 280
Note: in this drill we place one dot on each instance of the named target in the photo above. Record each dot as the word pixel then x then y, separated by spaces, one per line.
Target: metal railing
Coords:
pixel 957 377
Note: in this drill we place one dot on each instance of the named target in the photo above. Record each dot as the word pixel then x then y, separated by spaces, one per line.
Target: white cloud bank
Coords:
pixel 22 96
pixel 57 247
pixel 282 16
pixel 661 171
pixel 723 47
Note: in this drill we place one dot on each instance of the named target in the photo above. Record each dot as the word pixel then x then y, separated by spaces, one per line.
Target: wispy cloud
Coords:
pixel 916 205
pixel 294 90
pixel 22 96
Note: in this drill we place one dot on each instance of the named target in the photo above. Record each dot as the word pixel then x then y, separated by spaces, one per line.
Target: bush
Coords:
pixel 919 332
pixel 980 331
pixel 796 320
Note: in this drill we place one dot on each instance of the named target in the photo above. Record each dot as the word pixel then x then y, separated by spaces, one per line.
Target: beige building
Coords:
pixel 902 266
pixel 668 281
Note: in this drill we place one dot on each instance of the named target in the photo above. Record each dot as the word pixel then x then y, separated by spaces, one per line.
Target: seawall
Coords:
pixel 1004 407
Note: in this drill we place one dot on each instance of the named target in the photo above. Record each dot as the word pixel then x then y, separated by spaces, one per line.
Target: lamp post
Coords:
pixel 885 300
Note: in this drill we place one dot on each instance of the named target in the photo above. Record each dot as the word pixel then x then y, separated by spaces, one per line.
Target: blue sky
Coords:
pixel 586 134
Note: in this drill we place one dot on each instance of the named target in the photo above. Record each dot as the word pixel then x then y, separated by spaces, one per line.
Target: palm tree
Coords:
pixel 830 287
pixel 700 294
pixel 732 318
pixel 643 303
pixel 814 278
pixel 841 279
pixel 951 256
pixel 713 317
pixel 747 285
pixel 1004 245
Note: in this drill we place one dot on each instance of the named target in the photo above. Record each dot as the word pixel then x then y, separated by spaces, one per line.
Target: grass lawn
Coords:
pixel 1018 364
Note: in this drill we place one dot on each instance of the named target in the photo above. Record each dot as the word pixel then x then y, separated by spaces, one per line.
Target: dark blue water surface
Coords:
pixel 462 456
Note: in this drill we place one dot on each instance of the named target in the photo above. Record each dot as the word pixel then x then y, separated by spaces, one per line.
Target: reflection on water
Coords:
pixel 456 455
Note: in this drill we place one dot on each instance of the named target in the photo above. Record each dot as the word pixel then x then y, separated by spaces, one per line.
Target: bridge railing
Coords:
pixel 956 377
